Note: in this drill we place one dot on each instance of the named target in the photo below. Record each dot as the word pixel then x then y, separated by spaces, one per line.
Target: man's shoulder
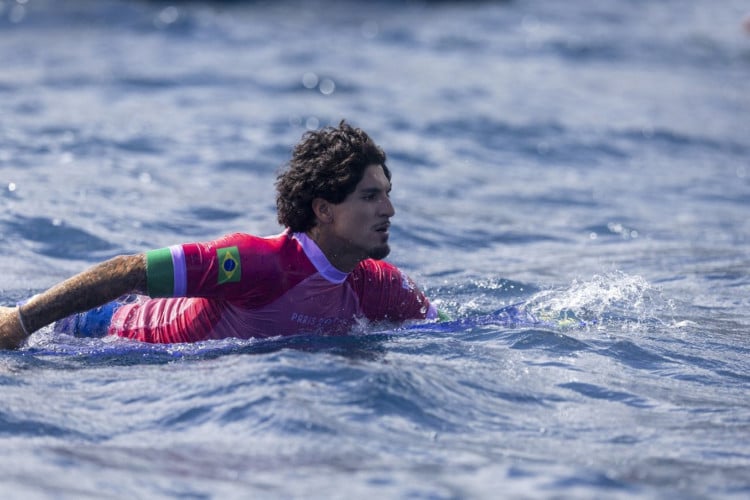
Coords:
pixel 377 271
pixel 277 253
pixel 375 265
pixel 386 292
pixel 250 240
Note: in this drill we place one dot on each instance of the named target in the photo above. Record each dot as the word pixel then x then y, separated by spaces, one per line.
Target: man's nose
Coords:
pixel 387 208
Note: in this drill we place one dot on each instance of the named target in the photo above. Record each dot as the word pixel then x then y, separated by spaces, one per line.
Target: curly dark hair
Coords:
pixel 326 163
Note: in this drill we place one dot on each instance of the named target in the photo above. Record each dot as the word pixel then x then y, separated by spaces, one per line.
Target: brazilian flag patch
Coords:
pixel 230 269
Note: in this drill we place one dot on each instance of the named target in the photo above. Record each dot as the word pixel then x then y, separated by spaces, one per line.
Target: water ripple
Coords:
pixel 598 392
pixel 47 235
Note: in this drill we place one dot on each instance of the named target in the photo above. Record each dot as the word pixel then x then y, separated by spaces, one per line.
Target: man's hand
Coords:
pixel 11 331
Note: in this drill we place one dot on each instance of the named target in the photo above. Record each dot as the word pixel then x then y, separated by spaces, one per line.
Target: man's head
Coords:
pixel 326 164
pixel 337 189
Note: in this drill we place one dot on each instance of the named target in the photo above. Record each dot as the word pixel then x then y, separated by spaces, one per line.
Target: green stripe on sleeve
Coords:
pixel 159 273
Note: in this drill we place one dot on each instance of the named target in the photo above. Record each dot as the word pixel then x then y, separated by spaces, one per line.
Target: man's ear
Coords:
pixel 323 210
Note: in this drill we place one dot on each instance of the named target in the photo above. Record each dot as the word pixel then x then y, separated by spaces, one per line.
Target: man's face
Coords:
pixel 360 223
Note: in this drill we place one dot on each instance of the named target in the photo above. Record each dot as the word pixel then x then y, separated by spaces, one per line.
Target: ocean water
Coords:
pixel 586 161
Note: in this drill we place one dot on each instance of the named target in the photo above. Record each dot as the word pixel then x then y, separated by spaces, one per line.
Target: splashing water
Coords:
pixel 604 300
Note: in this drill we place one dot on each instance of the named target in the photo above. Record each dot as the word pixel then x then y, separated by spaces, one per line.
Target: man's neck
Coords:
pixel 332 251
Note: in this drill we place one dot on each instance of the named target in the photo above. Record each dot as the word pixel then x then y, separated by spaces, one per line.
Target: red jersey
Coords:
pixel 247 286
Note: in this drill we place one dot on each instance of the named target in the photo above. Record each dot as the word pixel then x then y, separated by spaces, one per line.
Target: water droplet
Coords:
pixel 11 186
pixel 593 236
pixel 310 80
pixel 312 123
pixel 327 86
pixel 169 15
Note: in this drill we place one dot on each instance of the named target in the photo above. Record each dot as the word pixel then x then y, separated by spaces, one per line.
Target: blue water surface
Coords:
pixel 585 162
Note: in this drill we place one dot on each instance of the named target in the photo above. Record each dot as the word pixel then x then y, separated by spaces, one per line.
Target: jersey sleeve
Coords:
pixel 388 294
pixel 237 267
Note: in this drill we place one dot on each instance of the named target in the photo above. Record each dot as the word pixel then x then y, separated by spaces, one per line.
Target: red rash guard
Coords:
pixel 247 286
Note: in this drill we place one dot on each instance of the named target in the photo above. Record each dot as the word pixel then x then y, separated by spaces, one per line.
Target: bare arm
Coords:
pixel 95 286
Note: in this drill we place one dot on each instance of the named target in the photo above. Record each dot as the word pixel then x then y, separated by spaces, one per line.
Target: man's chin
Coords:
pixel 380 252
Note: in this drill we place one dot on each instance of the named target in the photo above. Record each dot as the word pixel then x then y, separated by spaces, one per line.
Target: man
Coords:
pixel 321 275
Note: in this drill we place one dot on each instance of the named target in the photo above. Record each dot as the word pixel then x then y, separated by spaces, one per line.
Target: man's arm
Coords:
pixel 91 288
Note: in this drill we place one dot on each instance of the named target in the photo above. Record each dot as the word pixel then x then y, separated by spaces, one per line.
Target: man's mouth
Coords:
pixel 383 228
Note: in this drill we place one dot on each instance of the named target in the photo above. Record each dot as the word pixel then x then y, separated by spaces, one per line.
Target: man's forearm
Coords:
pixel 91 288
